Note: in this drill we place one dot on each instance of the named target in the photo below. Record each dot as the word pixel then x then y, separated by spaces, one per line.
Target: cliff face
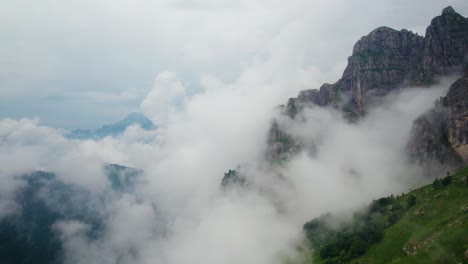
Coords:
pixel 457 122
pixel 445 45
pixel 441 135
pixel 387 59
pixel 428 144
pixel 381 61
pixel 280 145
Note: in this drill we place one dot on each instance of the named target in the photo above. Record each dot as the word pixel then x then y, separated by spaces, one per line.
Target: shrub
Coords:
pixel 447 180
pixel 411 201
pixel 437 184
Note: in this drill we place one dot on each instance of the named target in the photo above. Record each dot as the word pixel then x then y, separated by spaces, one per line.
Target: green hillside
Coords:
pixel 429 225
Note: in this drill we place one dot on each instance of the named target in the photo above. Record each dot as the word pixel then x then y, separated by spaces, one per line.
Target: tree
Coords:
pixel 447 180
pixel 437 184
pixel 411 201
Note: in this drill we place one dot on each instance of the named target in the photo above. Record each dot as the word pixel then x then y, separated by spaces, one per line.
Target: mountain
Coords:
pixel 440 136
pixel 427 225
pixel 114 129
pixel 44 200
pixel 384 60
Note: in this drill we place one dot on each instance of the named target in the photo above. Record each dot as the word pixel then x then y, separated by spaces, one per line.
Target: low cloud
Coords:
pixel 179 213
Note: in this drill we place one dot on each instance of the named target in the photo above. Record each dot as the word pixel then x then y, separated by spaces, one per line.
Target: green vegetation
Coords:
pixel 427 225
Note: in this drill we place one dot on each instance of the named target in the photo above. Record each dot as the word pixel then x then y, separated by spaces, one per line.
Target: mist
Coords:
pixel 213 95
pixel 179 212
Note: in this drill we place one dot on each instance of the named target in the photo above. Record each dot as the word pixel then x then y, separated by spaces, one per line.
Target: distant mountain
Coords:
pixel 114 129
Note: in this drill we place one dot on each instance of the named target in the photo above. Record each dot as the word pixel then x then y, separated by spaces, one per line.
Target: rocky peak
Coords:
pixel 448 10
pixel 445 45
pixel 387 59
pixel 380 62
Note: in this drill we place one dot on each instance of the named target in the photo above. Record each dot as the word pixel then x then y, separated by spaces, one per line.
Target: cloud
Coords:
pixel 179 211
pixel 165 97
pixel 246 59
pixel 53 47
pixel 349 164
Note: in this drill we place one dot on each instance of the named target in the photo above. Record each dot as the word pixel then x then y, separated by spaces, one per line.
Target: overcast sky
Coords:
pixel 84 63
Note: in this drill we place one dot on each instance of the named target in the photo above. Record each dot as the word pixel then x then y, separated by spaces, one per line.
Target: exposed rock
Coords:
pixel 445 45
pixel 457 123
pixel 388 59
pixel 381 62
pixel 328 95
pixel 440 135
pixel 280 145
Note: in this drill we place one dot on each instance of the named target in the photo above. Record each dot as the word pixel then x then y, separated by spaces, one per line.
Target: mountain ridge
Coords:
pixel 382 61
pixel 113 129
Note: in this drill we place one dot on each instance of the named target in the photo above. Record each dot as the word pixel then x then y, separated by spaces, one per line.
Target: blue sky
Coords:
pixel 79 64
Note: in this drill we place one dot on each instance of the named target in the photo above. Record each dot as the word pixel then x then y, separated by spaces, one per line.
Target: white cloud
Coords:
pixel 252 56
pixel 166 96
pixel 116 47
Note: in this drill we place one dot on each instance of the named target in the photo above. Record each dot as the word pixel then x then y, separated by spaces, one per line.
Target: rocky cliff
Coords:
pixel 382 61
pixel 440 136
pixel 445 45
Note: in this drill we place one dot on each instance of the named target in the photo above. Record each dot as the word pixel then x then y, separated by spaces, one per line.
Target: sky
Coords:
pixel 209 74
pixel 81 64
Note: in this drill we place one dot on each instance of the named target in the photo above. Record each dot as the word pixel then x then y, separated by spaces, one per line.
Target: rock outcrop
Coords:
pixel 445 45
pixel 440 136
pixel 385 60
pixel 381 61
pixel 281 146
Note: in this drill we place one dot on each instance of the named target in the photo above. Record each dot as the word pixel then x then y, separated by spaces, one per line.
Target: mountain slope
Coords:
pixel 434 229
pixel 382 61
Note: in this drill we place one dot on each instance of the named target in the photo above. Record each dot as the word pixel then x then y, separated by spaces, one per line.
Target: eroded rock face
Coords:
pixel 457 123
pixel 381 61
pixel 280 145
pixel 387 59
pixel 445 45
pixel 428 144
pixel 440 135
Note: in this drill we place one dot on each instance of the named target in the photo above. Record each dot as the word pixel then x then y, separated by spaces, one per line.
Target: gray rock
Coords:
pixel 387 59
pixel 440 136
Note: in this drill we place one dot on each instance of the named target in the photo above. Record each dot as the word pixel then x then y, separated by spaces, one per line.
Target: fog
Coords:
pixel 81 63
pixel 179 212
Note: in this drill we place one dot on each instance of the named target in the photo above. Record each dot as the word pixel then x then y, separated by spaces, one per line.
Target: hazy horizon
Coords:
pixel 83 64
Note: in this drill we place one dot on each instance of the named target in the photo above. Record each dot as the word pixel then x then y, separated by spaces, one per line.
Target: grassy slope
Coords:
pixel 435 230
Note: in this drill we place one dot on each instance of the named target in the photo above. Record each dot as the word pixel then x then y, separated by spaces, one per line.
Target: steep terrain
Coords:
pixel 440 136
pixel 381 62
pixel 427 225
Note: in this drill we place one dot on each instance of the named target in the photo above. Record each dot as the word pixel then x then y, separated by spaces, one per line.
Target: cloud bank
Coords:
pixel 73 55
pixel 244 60
pixel 179 212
